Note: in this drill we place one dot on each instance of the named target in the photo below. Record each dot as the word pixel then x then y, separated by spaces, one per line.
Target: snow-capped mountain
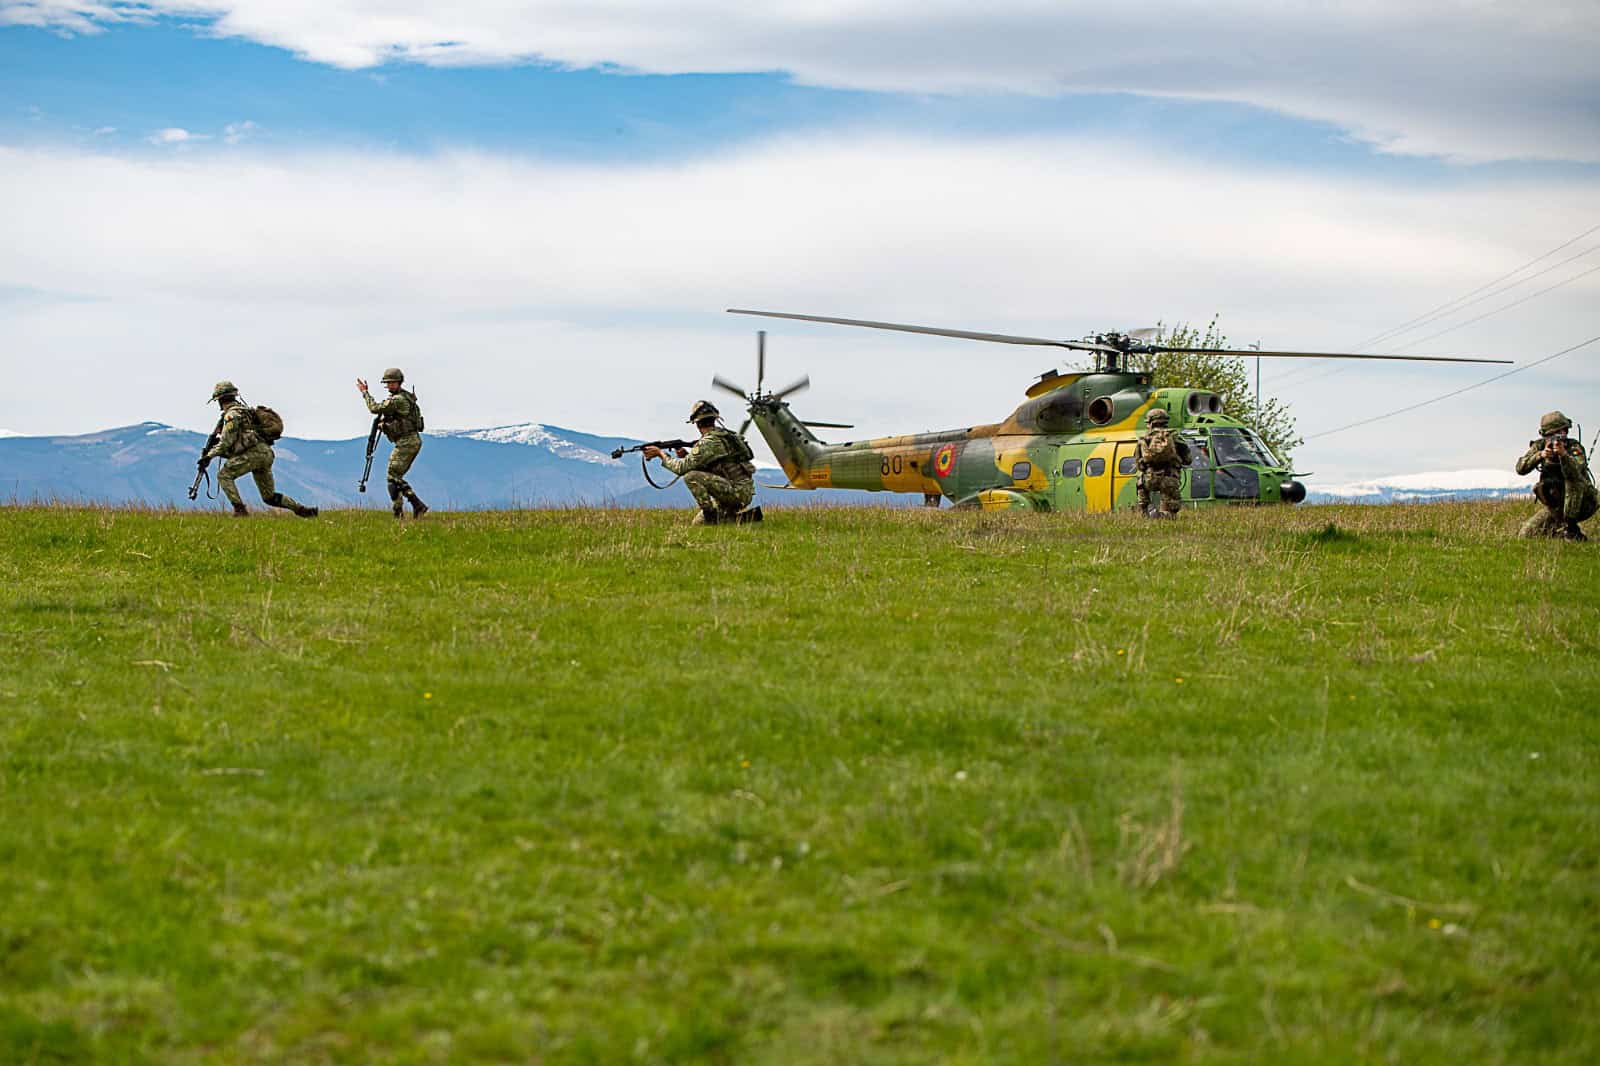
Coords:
pixel 529 465
pixel 1421 488
pixel 531 433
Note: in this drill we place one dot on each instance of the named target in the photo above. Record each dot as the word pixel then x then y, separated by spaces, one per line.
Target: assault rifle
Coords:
pixel 664 445
pixel 203 462
pixel 372 446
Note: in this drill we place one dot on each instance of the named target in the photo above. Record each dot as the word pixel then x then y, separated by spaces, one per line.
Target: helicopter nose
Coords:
pixel 1292 492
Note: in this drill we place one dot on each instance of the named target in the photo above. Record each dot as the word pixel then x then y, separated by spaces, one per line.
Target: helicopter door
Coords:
pixel 1125 474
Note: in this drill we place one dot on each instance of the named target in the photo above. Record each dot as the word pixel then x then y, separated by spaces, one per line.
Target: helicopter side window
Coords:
pixel 1199 468
pixel 1072 468
pixel 1021 471
pixel 1095 467
pixel 1127 464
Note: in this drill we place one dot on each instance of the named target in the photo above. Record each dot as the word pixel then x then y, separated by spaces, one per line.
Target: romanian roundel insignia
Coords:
pixel 944 459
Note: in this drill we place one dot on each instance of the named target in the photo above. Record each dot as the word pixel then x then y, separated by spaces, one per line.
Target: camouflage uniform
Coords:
pixel 1566 490
pixel 244 452
pixel 401 419
pixel 1162 479
pixel 720 479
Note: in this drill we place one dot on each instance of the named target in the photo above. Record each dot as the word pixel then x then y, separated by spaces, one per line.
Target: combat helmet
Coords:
pixel 1553 422
pixel 224 388
pixel 1157 417
pixel 393 374
pixel 702 410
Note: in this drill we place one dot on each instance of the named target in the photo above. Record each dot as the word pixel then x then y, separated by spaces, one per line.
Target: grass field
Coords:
pixel 847 787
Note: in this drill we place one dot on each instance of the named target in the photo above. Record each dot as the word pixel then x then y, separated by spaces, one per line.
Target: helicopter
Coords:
pixel 1070 446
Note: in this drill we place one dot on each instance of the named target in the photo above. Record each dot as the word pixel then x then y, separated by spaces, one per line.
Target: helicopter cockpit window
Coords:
pixel 1072 468
pixel 1127 464
pixel 1240 446
pixel 1096 467
pixel 1021 471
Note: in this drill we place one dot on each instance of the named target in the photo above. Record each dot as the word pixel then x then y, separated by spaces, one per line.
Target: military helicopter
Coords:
pixel 1070 446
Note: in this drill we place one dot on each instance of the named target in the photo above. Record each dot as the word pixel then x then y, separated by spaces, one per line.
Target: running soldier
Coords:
pixel 400 418
pixel 245 447
pixel 1162 457
pixel 1566 490
pixel 717 469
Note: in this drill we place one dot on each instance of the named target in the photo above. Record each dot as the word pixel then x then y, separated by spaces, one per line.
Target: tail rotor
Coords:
pixel 759 397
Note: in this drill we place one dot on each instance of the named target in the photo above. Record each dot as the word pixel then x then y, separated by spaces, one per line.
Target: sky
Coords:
pixel 541 209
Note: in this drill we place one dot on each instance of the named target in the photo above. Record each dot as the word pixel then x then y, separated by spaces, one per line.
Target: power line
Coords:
pixel 1329 372
pixel 1402 327
pixel 1308 374
pixel 1456 392
pixel 1507 307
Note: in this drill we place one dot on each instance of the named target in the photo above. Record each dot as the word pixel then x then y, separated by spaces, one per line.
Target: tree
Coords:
pixel 1226 375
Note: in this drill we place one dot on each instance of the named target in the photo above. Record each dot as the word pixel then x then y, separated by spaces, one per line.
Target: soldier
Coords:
pixel 1566 491
pixel 1162 456
pixel 717 469
pixel 401 422
pixel 245 451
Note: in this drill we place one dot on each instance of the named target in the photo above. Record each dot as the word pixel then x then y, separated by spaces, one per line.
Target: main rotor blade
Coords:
pixel 998 338
pixel 829 425
pixel 718 382
pixel 744 426
pixel 1245 353
pixel 800 386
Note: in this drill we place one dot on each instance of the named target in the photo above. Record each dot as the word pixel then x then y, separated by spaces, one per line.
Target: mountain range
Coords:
pixel 528 465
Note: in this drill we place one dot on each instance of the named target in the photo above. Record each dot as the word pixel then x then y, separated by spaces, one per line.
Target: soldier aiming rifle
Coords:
pixel 1566 490
pixel 716 468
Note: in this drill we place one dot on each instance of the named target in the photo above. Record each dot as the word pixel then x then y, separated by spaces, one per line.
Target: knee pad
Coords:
pixel 275 500
pixel 394 489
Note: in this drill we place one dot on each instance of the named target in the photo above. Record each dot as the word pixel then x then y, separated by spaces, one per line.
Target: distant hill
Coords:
pixel 1426 487
pixel 529 465
pixel 526 465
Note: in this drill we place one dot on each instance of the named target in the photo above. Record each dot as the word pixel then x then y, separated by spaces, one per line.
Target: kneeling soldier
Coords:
pixel 1566 490
pixel 1162 457
pixel 401 421
pixel 245 451
pixel 717 469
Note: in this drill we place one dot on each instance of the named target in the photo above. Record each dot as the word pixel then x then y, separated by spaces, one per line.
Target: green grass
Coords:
pixel 848 787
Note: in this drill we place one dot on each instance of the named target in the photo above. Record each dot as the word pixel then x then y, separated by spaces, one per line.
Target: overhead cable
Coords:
pixel 1456 392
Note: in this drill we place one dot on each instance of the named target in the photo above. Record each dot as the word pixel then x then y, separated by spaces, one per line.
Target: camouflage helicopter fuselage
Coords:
pixel 1070 447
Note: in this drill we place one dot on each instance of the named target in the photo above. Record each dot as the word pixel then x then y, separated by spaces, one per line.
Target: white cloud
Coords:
pixel 175 135
pixel 234 132
pixel 105 131
pixel 591 298
pixel 1472 79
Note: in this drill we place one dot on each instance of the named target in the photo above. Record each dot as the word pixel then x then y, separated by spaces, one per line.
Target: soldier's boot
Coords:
pixel 744 518
pixel 1573 532
pixel 305 512
pixel 706 516
pixel 241 511
pixel 418 508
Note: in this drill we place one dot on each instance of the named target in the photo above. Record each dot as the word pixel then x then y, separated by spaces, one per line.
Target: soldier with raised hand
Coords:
pixel 401 421
pixel 717 469
pixel 1566 490
pixel 1162 457
pixel 244 450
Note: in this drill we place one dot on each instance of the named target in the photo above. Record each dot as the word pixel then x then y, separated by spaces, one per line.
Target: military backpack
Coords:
pixel 1160 448
pixel 268 423
pixel 398 427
